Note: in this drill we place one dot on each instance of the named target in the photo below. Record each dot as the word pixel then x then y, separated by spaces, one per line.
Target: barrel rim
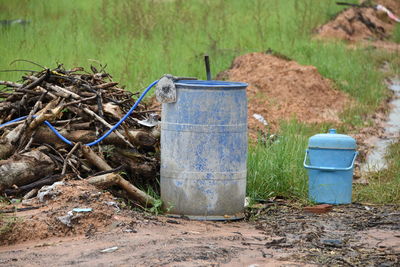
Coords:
pixel 211 83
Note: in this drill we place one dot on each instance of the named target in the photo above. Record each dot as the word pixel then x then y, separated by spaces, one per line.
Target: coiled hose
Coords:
pixel 65 140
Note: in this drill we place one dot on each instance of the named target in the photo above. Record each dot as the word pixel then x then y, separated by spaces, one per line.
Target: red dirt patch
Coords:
pixel 362 24
pixel 45 222
pixel 283 235
pixel 281 89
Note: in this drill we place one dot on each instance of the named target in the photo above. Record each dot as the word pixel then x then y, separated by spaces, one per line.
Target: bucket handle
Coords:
pixel 329 168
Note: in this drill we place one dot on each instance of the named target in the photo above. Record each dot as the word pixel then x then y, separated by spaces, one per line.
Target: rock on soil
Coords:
pixel 281 89
pixel 363 24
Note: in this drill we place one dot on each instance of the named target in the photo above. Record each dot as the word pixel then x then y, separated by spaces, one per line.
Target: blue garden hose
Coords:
pixel 65 140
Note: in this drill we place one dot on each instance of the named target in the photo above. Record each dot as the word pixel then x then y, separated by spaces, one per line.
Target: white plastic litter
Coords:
pixel 109 250
pixel 67 218
pixel 113 204
pixel 82 210
pixel 246 201
pixel 260 118
pixel 48 191
pixel 151 121
pixel 388 12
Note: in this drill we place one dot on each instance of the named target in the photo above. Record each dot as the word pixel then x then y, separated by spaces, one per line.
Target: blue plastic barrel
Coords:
pixel 204 150
pixel 330 163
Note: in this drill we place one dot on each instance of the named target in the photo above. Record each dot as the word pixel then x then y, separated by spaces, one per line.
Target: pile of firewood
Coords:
pixel 81 106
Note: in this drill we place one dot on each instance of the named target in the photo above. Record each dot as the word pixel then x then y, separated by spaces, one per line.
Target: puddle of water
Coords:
pixel 393 126
pixel 376 158
pixel 395 86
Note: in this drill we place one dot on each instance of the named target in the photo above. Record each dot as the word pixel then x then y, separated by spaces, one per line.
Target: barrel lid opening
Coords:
pixel 211 83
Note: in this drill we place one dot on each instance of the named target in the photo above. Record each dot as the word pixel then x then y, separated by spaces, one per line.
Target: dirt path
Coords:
pixel 281 235
pixel 161 242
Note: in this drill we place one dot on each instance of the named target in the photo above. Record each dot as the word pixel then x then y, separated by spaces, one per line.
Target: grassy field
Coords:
pixel 141 40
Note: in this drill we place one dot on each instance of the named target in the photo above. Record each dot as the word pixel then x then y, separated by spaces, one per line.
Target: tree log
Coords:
pixel 94 159
pixel 111 178
pixel 4 106
pixel 103 181
pixel 136 193
pixel 81 126
pixel 7 142
pixel 141 138
pixel 138 137
pixel 25 168
pixel 106 180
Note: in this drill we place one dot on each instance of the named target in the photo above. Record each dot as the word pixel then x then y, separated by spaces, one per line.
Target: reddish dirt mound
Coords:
pixel 364 23
pixel 51 219
pixel 280 89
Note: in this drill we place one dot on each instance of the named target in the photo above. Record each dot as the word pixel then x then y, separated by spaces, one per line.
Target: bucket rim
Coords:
pixel 211 83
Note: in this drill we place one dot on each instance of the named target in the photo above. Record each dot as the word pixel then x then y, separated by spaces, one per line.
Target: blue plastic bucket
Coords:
pixel 330 162
pixel 204 150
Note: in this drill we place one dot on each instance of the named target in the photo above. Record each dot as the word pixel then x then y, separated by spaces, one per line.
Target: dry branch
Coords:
pixel 133 191
pixel 81 107
pixel 90 112
pixel 48 180
pixel 10 84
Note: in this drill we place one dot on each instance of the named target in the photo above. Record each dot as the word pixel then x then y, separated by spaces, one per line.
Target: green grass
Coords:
pixel 7 221
pixel 396 34
pixel 384 186
pixel 140 40
pixel 275 165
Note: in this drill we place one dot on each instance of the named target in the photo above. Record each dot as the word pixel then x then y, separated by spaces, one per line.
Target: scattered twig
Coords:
pixel 18 209
pixel 10 84
pixel 29 61
pixel 100 119
pixel 64 169
pixel 37 184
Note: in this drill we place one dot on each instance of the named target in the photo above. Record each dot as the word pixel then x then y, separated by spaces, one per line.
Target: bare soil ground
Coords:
pixel 363 25
pixel 276 233
pixel 281 89
pixel 48 217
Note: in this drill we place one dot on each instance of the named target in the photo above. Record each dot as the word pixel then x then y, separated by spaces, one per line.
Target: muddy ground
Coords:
pixel 275 233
